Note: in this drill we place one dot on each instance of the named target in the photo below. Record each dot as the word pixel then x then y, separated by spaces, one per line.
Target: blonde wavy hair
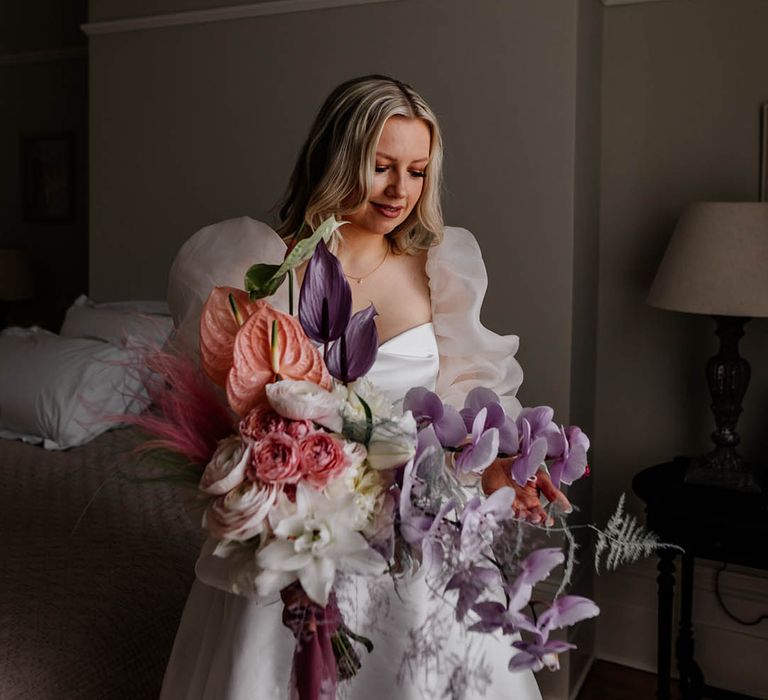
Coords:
pixel 334 171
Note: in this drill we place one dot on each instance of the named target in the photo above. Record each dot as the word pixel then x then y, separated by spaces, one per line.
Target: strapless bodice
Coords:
pixel 406 360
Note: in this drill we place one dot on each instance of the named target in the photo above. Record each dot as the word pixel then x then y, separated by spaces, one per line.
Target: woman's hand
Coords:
pixel 527 504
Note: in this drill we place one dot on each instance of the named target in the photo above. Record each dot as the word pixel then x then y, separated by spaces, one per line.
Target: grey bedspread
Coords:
pixel 94 572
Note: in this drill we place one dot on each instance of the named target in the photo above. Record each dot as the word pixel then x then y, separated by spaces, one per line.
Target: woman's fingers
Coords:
pixel 551 492
pixel 527 504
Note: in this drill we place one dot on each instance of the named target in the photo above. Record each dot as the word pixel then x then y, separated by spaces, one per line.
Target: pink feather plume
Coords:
pixel 188 416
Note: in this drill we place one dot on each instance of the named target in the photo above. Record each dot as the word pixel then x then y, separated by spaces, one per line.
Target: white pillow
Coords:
pixel 64 391
pixel 126 324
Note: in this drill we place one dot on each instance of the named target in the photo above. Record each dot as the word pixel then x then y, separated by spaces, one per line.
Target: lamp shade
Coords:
pixel 15 275
pixel 716 262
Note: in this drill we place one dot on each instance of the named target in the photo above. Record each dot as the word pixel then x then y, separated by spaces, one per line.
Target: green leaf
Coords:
pixel 306 246
pixel 368 419
pixel 263 280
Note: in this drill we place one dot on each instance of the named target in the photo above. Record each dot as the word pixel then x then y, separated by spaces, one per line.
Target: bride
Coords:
pixel 373 158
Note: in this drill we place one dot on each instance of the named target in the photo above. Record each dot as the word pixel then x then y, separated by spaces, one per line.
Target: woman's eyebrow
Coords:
pixel 379 154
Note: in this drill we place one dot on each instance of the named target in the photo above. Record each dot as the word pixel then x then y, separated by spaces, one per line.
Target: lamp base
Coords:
pixel 723 468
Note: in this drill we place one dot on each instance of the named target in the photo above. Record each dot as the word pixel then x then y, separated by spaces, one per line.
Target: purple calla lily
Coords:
pixel 354 353
pixel 325 300
pixel 572 464
pixel 428 409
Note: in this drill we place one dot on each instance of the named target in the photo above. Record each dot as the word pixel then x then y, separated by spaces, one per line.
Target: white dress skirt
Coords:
pixel 230 647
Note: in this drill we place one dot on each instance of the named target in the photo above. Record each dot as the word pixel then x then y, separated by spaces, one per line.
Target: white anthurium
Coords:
pixel 393 442
pixel 311 544
pixel 303 400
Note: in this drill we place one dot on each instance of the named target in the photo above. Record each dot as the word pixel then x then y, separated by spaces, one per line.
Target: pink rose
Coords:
pixel 241 513
pixel 322 458
pixel 275 459
pixel 299 429
pixel 261 421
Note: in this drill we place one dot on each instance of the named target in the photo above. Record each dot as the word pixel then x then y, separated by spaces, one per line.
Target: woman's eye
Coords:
pixel 381 168
pixel 418 173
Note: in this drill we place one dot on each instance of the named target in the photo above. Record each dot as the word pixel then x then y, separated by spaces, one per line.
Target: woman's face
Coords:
pixel 402 155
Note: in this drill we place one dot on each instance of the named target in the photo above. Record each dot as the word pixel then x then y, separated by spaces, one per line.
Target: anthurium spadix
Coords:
pixel 325 302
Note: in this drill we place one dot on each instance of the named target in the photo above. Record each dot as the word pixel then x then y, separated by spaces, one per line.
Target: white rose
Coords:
pixel 226 470
pixel 302 400
pixel 393 442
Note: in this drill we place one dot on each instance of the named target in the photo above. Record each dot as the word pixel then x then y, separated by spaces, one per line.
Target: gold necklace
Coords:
pixel 359 280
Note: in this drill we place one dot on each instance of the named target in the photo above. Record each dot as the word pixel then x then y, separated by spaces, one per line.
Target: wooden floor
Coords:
pixel 608 681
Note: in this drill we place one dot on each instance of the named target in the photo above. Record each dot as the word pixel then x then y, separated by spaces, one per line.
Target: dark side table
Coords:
pixel 709 523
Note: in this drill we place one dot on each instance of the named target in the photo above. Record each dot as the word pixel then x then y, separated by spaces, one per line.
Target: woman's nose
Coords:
pixel 396 186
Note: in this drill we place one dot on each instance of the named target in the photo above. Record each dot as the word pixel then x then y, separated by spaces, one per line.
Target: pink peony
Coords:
pixel 261 421
pixel 322 459
pixel 241 513
pixel 276 459
pixel 299 429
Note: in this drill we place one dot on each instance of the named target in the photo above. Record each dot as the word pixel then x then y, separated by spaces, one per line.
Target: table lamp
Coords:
pixel 16 282
pixel 717 264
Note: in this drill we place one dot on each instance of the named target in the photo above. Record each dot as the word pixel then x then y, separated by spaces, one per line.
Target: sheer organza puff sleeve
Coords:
pixel 218 255
pixel 470 354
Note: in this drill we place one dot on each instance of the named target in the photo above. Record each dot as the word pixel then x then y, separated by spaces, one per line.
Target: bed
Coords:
pixel 95 565
pixel 95 571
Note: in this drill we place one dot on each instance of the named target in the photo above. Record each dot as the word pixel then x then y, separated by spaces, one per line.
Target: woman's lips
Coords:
pixel 385 210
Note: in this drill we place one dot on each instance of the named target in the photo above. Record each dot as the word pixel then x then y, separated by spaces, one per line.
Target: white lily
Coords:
pixel 312 543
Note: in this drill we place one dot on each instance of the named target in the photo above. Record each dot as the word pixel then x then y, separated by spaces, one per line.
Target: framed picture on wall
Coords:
pixel 764 153
pixel 48 177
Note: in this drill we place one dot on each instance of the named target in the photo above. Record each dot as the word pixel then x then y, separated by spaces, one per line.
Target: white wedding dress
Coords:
pixel 229 647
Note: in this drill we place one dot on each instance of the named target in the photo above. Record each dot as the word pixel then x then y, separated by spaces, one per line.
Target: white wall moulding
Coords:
pixel 269 7
pixel 609 3
pixel 42 56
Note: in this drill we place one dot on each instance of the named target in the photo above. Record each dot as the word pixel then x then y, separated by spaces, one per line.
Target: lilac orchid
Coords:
pixel 542 427
pixel 325 300
pixel 481 518
pixel 482 450
pixel 481 398
pixel 533 452
pixel 417 526
pixel 563 612
pixel 471 582
pixel 534 568
pixel 572 464
pixel 428 409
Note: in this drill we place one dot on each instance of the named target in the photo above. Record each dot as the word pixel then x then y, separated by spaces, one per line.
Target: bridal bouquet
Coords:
pixel 308 472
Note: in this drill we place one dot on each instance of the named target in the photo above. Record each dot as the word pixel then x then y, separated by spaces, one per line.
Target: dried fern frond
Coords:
pixel 624 540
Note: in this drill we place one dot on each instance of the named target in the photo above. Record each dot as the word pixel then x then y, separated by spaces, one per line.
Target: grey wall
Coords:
pixel 43 96
pixel 682 85
pixel 199 123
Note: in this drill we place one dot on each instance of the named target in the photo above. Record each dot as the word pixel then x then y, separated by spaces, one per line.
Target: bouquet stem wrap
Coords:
pixel 314 675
